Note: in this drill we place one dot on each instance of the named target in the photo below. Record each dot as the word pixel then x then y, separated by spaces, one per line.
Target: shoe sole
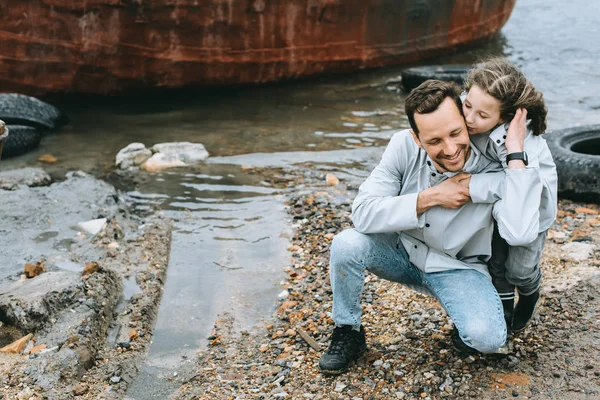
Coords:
pixel 341 371
pixel 529 320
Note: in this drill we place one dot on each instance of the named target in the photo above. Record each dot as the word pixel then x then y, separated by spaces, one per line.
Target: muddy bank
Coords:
pixel 410 354
pixel 92 311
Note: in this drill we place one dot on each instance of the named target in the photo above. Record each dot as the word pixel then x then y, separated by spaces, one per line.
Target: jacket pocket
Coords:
pixel 416 250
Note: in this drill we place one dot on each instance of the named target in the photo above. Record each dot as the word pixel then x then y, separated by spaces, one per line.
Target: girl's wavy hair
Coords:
pixel 507 84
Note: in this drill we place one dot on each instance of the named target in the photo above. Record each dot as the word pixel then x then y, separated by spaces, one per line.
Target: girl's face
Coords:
pixel 481 110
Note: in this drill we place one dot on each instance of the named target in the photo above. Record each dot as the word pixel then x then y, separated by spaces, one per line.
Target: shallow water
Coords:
pixel 230 238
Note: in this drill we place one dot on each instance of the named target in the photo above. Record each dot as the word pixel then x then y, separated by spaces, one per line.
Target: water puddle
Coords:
pixel 227 255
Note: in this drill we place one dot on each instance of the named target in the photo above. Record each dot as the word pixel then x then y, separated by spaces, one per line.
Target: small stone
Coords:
pixel 515 393
pixel 90 268
pixel 48 159
pixel 25 394
pixel 369 382
pixel 93 226
pixel 339 387
pixel 115 379
pixel 331 180
pixel 33 270
pixel 80 390
pixel 17 346
pixel 124 345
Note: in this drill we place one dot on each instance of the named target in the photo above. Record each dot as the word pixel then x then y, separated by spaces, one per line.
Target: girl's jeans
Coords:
pixel 468 296
pixel 518 266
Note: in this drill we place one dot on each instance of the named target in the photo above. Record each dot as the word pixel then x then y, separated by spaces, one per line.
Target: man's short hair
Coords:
pixel 427 97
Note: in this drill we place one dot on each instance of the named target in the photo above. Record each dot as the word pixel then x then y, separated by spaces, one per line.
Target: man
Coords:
pixel 421 222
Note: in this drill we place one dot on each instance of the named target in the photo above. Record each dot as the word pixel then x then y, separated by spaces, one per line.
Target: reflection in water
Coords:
pixel 215 266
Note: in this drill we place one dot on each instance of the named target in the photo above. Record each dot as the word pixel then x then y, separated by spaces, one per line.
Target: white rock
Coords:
pixel 93 226
pixel 189 153
pixel 25 394
pixel 283 294
pixel 160 161
pixel 339 387
pixel 578 251
pixel 132 155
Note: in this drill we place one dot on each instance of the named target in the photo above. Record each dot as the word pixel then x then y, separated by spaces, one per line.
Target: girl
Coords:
pixel 497 94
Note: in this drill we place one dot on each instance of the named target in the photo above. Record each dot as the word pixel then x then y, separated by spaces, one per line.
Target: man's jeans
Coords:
pixel 468 296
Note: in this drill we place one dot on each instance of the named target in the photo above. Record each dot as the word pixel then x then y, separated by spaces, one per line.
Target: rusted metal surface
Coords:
pixel 110 46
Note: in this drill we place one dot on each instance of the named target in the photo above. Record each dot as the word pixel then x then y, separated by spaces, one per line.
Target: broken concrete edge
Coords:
pixel 139 314
pixel 80 351
pixel 78 332
pixel 29 176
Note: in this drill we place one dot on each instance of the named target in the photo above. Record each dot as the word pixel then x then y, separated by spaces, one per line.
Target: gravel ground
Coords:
pixel 410 353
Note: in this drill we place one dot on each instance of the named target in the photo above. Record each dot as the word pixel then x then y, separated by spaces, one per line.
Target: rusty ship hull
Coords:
pixel 118 46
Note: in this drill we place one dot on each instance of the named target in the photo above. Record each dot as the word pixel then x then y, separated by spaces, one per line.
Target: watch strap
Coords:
pixel 521 155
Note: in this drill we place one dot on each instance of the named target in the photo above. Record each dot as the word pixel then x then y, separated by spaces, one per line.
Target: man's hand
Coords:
pixel 449 194
pixel 463 179
pixel 517 130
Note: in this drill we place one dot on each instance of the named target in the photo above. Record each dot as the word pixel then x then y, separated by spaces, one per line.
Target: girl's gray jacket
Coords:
pixel 493 147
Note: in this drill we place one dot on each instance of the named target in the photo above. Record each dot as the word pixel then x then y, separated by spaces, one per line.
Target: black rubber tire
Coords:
pixel 19 109
pixel 578 172
pixel 413 77
pixel 20 140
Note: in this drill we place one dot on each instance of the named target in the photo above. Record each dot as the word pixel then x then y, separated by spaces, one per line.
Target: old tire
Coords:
pixel 19 109
pixel 576 152
pixel 20 140
pixel 413 77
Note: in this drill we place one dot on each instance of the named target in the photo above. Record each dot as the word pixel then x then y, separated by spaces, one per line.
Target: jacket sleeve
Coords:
pixel 379 207
pixel 518 211
pixel 487 188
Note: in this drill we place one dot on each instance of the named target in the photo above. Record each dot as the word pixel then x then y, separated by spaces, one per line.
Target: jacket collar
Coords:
pixel 436 177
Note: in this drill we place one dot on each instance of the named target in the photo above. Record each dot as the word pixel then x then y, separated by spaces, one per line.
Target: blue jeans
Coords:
pixel 468 296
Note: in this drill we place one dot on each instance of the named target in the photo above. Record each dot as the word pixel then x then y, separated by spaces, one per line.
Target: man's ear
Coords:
pixel 416 138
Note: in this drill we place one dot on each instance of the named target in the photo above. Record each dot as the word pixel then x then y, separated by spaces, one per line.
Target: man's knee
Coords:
pixel 483 336
pixel 347 246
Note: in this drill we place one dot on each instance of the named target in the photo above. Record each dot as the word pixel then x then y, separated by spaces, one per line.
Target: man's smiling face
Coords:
pixel 444 136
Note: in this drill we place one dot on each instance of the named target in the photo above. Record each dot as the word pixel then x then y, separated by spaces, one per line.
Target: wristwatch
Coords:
pixel 517 156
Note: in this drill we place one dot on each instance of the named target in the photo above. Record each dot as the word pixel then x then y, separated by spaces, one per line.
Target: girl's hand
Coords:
pixel 515 137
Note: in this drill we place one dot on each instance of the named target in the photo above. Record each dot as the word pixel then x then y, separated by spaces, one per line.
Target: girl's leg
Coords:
pixel 497 268
pixel 523 270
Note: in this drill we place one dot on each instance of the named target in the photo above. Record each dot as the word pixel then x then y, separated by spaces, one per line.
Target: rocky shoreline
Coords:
pixel 410 353
pixel 93 331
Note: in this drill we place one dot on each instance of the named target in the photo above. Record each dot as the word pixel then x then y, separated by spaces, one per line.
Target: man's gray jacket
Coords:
pixel 442 239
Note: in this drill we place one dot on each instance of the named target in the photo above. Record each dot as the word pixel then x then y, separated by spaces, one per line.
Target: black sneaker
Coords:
pixel 524 310
pixel 460 346
pixel 346 346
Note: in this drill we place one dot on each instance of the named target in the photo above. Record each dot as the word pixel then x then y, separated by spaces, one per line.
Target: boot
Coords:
pixel 524 310
pixel 509 308
pixel 346 346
